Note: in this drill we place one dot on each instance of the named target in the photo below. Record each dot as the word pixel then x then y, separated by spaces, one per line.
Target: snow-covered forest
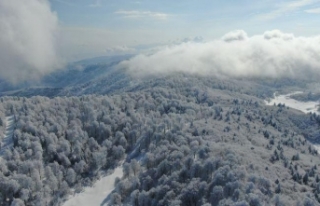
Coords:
pixel 159 103
pixel 181 144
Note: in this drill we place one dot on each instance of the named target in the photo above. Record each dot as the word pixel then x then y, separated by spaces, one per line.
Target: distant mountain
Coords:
pixel 104 60
pixel 101 75
pixel 84 71
pixel 72 80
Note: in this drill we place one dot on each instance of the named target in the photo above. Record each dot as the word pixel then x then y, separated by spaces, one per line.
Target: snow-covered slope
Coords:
pixel 7 141
pixel 95 196
pixel 304 107
pixel 193 134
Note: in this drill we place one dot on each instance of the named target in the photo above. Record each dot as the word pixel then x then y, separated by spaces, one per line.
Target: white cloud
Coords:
pixel 238 35
pixel 27 40
pixel 313 11
pixel 142 14
pixel 185 40
pixel 120 49
pixel 272 54
pixel 287 8
pixel 277 34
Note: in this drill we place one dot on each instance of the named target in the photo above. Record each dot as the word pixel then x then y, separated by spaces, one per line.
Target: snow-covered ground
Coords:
pixel 286 99
pixel 7 142
pixel 305 107
pixel 317 147
pixel 95 196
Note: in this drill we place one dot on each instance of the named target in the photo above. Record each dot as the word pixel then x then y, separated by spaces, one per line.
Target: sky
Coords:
pixel 103 27
pixel 41 36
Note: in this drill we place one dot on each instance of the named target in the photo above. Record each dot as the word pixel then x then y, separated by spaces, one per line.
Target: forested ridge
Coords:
pixel 181 145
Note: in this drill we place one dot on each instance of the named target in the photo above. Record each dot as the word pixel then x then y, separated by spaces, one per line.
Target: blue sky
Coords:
pixel 99 25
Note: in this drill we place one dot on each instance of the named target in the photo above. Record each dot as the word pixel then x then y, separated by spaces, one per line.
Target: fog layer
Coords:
pixel 272 54
pixel 27 40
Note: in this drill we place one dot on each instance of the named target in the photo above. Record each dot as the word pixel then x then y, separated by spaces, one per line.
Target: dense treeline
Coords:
pixel 117 81
pixel 181 146
pixel 206 157
pixel 307 96
pixel 60 144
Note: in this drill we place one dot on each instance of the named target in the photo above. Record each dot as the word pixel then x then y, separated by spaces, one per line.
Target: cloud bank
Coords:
pixel 272 54
pixel 27 39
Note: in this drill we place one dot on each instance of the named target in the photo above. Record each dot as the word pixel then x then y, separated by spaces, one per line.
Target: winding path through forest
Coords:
pixel 96 195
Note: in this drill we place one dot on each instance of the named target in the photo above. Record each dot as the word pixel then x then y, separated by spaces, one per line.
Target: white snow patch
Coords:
pixel 286 99
pixel 305 107
pixel 317 147
pixel 6 141
pixel 94 196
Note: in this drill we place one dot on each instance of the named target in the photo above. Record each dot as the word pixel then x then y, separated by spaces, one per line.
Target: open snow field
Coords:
pixel 286 99
pixel 95 196
pixel 7 142
pixel 304 107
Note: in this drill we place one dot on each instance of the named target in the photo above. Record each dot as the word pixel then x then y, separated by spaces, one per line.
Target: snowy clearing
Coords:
pixel 304 107
pixel 7 141
pixel 95 196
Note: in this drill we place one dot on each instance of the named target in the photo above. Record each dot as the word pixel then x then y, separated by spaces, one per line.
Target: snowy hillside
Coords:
pixel 305 107
pixel 202 141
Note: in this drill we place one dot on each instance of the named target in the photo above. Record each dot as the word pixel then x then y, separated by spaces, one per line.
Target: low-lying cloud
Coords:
pixel 27 39
pixel 120 50
pixel 272 54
